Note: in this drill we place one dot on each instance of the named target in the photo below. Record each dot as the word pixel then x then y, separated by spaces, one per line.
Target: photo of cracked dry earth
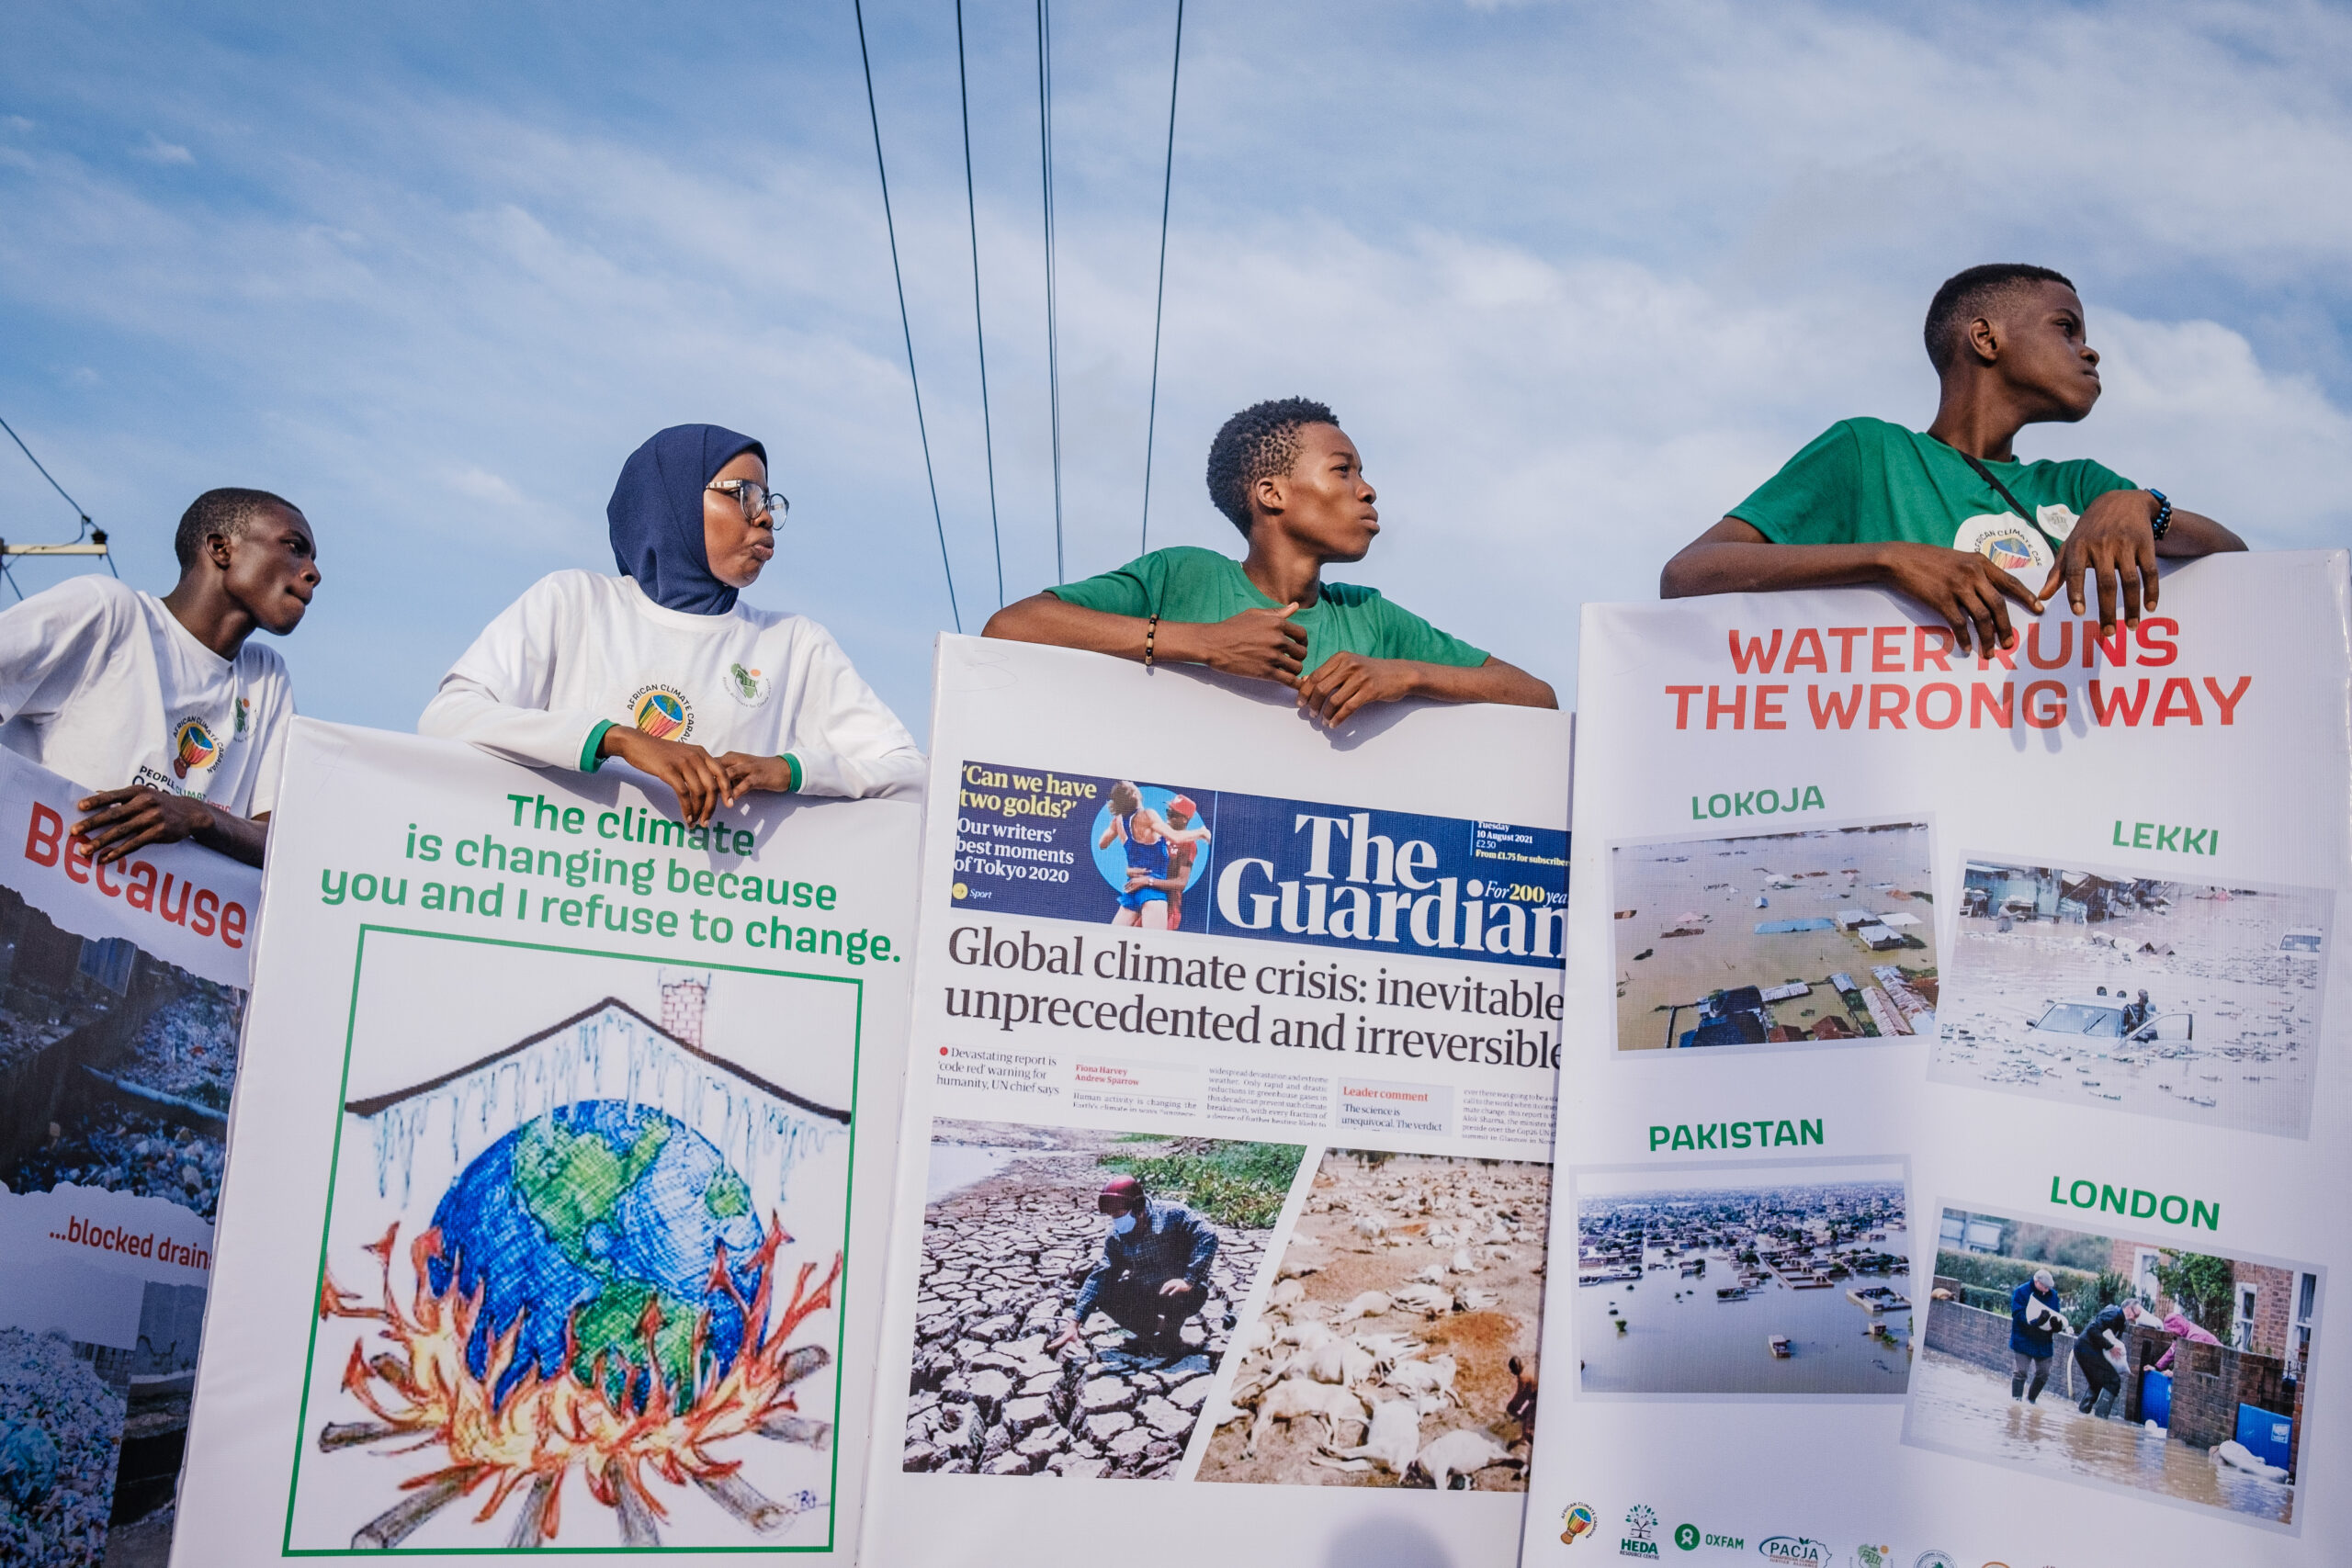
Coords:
pixel 1383 1356
pixel 1010 1233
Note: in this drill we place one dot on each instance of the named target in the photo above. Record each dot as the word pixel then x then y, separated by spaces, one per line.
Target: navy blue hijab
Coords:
pixel 656 515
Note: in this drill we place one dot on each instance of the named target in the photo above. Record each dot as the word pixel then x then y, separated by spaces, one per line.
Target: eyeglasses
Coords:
pixel 755 501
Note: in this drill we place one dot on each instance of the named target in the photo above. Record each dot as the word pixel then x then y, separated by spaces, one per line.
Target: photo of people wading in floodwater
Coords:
pixel 2195 1001
pixel 1774 1281
pixel 2118 1363
pixel 1397 1345
pixel 1775 940
pixel 1079 1290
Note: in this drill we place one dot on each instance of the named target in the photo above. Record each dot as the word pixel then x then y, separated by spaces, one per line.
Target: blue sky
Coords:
pixel 1575 277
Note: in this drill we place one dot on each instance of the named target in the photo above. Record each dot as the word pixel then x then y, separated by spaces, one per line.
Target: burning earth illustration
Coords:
pixel 595 1293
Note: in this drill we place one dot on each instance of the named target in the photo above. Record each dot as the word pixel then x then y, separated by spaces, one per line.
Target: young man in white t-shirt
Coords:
pixel 164 706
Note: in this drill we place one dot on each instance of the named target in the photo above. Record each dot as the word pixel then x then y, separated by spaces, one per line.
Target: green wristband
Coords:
pixel 591 754
pixel 793 764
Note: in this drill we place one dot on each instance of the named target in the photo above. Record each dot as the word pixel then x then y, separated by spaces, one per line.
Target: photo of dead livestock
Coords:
pixel 2127 1364
pixel 1079 1290
pixel 1775 940
pixel 1397 1344
pixel 2188 1000
pixel 1770 1280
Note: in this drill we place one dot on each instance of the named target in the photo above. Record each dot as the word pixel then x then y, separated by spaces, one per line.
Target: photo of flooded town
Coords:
pixel 1775 940
pixel 2194 1001
pixel 1766 1280
pixel 2149 1369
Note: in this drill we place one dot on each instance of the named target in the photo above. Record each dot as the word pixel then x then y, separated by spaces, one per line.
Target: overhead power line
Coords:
pixel 44 473
pixel 979 333
pixel 98 536
pixel 1159 303
pixel 890 227
pixel 1053 344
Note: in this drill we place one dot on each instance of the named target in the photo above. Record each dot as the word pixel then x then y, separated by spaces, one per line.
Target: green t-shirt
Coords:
pixel 1866 481
pixel 1185 583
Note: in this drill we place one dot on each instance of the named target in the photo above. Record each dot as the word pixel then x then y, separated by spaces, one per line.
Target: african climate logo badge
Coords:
pixel 1795 1549
pixel 193 748
pixel 1641 1532
pixel 748 686
pixel 1873 1557
pixel 1576 1520
pixel 661 712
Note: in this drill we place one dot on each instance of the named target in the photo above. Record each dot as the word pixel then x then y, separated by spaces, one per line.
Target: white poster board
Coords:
pixel 121 987
pixel 1334 1059
pixel 1896 975
pixel 560 1168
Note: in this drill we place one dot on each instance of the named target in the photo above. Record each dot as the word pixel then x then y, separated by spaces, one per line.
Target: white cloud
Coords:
pixel 156 150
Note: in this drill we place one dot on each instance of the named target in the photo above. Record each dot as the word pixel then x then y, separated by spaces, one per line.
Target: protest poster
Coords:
pixel 1304 986
pixel 561 1166
pixel 1897 975
pixel 121 987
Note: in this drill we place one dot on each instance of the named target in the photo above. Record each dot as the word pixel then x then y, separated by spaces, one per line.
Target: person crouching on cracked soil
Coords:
pixel 1154 1273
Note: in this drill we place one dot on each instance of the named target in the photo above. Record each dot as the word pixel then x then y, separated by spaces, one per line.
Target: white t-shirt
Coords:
pixel 579 650
pixel 101 684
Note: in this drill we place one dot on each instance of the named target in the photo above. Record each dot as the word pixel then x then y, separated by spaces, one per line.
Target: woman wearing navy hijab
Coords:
pixel 663 667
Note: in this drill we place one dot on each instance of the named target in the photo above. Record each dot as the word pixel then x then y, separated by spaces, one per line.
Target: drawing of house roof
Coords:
pixel 374 1105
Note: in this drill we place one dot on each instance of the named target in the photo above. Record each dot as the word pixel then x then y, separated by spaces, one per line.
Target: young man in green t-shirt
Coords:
pixel 1291 481
pixel 1950 518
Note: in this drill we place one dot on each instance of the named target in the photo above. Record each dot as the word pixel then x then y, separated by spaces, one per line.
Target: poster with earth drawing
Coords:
pixel 555 1222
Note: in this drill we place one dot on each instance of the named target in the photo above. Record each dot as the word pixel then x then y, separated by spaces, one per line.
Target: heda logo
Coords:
pixel 1795 1549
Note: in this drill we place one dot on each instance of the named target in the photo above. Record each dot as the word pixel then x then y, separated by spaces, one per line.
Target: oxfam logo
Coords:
pixel 1687 1536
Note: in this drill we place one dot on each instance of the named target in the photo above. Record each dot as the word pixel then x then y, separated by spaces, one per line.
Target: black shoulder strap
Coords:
pixel 1987 475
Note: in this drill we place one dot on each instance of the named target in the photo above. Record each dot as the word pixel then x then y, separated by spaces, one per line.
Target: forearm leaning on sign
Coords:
pixel 1265 645
pixel 1966 591
pixel 120 822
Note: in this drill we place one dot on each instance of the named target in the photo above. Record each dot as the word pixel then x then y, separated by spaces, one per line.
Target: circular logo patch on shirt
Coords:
pixel 193 748
pixel 2009 543
pixel 661 712
pixel 2056 521
pixel 748 686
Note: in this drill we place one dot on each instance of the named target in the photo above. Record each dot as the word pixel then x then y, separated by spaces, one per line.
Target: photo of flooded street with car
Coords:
pixel 2197 1002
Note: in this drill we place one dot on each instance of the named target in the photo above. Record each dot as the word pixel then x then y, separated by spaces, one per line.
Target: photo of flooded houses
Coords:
pixel 2166 1371
pixel 2194 1001
pixel 1776 1281
pixel 1776 940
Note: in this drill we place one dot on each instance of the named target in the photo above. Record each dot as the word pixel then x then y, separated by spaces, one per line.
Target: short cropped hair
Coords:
pixel 228 513
pixel 1263 439
pixel 1965 296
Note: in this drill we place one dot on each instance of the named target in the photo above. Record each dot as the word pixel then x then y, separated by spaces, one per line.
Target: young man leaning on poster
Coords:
pixel 1949 517
pixel 164 706
pixel 1286 474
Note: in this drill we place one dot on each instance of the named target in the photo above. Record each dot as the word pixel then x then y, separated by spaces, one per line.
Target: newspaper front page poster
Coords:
pixel 1303 992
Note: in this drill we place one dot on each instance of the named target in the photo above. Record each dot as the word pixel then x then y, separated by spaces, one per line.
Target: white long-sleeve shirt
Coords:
pixel 101 684
pixel 580 652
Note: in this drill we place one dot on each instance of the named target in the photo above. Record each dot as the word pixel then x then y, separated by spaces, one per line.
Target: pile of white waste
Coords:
pixel 61 1431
